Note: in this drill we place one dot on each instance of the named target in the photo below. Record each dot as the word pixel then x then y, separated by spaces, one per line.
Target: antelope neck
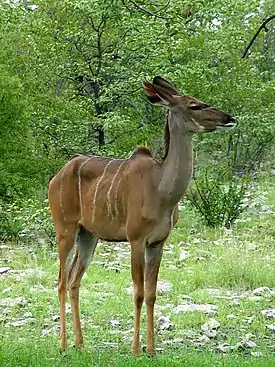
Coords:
pixel 178 165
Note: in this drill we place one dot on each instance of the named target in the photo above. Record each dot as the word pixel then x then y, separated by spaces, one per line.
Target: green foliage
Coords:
pixel 71 70
pixel 28 220
pixel 219 196
pixel 222 190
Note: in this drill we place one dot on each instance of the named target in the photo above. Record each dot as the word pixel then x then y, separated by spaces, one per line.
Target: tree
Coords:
pixel 80 64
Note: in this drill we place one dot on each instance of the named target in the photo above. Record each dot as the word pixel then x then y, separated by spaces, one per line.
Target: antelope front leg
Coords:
pixel 153 257
pixel 137 263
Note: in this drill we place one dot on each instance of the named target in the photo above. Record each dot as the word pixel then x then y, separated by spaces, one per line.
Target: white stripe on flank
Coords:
pixel 79 184
pixel 97 186
pixel 117 188
pixel 60 194
pixel 109 203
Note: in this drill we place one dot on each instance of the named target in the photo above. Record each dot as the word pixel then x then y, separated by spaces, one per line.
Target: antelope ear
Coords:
pixel 155 94
pixel 158 80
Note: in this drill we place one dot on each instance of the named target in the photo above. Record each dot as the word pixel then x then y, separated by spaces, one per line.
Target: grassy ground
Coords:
pixel 220 267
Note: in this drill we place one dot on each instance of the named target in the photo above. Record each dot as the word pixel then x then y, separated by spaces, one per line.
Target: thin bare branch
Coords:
pixel 145 11
pixel 113 44
pixel 93 25
pixel 86 58
pixel 56 141
pixel 262 26
pixel 160 7
pixel 102 24
pixel 126 6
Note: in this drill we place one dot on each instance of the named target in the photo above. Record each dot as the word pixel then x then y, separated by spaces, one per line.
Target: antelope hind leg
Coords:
pixel 86 244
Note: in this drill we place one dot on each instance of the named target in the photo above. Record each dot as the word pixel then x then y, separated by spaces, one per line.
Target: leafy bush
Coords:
pixel 221 192
pixel 28 220
pixel 219 196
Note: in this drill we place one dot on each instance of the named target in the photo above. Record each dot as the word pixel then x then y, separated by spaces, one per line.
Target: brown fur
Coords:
pixel 143 151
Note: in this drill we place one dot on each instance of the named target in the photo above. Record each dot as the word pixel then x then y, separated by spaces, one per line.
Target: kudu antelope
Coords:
pixel 132 199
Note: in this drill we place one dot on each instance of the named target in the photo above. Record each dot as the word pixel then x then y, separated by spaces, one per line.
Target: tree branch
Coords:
pixel 262 26
pixel 161 7
pixel 56 140
pixel 115 44
pixel 145 11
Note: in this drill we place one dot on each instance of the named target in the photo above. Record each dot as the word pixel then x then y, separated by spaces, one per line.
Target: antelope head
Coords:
pixel 197 116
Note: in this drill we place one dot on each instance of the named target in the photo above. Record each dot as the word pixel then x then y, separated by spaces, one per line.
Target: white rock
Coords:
pixel 183 244
pixel 211 324
pixel 265 209
pixel 20 323
pixel 38 288
pixel 231 316
pixel 255 298
pixel 164 287
pixel 249 319
pixel 184 254
pixel 261 291
pixel 27 315
pixel 213 291
pixel 270 313
pixel 164 324
pixel 11 302
pixel 271 327
pixel 251 246
pixel 4 269
pixel 115 323
pixel 6 290
pixel 203 339
pixel 225 347
pixel 56 318
pixel 247 337
pixel 250 344
pixel 67 308
pixel 53 330
pixel 186 298
pixel 257 354
pixel 211 333
pixel 193 307
pixel 235 302
pixel 174 341
pixel 188 334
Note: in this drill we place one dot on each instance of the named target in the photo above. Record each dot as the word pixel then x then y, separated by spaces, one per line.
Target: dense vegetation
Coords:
pixel 70 77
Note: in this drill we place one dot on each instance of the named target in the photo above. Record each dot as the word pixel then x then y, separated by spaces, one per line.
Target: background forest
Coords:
pixel 71 76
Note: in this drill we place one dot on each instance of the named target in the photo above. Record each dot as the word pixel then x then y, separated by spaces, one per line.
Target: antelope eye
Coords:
pixel 195 108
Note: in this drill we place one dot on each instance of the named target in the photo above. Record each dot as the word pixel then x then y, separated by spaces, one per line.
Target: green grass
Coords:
pixel 221 264
pixel 43 354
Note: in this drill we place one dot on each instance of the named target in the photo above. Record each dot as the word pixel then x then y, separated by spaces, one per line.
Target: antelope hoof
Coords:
pixel 62 351
pixel 79 347
pixel 136 352
pixel 151 353
pixel 63 345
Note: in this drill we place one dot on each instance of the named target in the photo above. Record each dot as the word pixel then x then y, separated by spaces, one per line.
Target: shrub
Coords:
pixel 27 220
pixel 219 196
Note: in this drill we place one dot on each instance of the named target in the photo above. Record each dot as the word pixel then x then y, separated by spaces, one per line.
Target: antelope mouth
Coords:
pixel 227 126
